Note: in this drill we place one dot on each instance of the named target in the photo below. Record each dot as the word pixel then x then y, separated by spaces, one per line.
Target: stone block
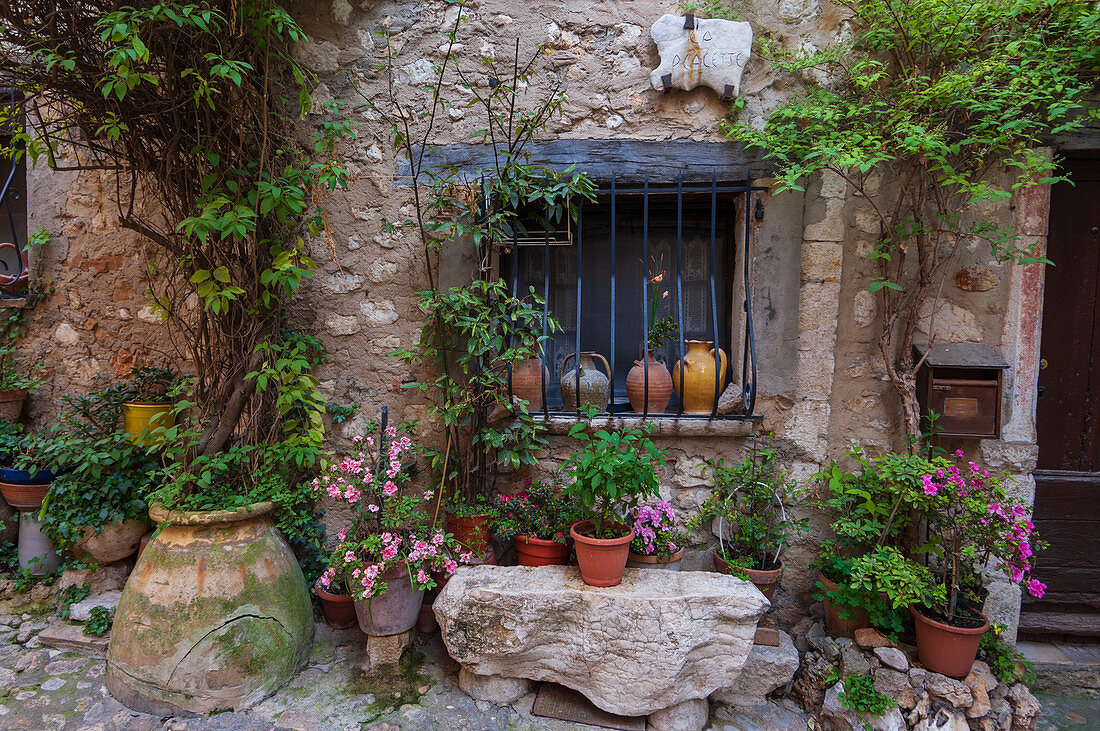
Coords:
pixel 869 638
pixel 82 610
pixel 492 688
pixel 943 720
pixel 766 669
pixel 895 685
pixel 845 719
pixel 687 716
pixel 658 639
pixel 949 689
pixel 385 652
pixel 892 657
pixel 65 636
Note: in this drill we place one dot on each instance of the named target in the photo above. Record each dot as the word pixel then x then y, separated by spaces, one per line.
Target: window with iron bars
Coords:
pixel 596 274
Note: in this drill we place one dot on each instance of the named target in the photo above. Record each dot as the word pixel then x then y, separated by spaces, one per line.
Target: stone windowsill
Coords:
pixel 663 426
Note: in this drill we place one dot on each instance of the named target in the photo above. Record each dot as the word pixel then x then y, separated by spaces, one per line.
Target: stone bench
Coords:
pixel 659 644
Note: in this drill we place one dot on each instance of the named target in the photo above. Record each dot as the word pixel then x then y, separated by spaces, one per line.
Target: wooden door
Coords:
pixel 1067 481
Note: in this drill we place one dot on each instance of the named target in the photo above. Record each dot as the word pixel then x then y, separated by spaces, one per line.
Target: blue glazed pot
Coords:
pixel 23 477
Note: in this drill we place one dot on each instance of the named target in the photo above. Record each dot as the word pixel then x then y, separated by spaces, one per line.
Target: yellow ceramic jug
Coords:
pixel 697 390
pixel 137 415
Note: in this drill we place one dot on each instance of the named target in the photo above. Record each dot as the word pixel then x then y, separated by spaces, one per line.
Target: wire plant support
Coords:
pixel 723 280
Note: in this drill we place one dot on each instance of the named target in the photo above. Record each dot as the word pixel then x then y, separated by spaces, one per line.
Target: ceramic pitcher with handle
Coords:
pixel 594 384
pixel 696 388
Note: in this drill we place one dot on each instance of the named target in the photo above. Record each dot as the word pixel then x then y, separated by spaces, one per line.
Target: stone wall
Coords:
pixel 821 377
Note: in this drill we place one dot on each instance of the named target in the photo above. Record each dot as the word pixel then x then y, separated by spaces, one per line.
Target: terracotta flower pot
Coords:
pixel 339 609
pixel 837 625
pixel 116 541
pixel 471 532
pixel 216 615
pixel 767 581
pixel 540 552
pixel 11 404
pixel 137 415
pixel 24 497
pixel 945 649
pixel 660 386
pixel 641 561
pixel 426 623
pixel 394 611
pixel 601 560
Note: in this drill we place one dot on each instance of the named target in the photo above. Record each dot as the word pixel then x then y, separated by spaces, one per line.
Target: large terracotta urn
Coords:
pixel 527 378
pixel 594 385
pixel 660 386
pixel 215 615
pixel 697 391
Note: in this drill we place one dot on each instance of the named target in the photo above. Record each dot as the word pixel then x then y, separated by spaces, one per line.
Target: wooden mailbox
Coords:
pixel 962 382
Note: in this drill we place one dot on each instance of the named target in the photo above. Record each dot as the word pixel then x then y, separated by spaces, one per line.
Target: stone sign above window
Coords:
pixel 700 51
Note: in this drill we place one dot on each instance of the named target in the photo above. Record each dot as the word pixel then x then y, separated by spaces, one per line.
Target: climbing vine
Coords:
pixel 189 108
pixel 933 108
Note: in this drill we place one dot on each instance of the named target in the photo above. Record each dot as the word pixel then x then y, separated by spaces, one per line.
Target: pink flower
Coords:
pixel 960 454
pixel 349 557
pixel 466 557
pixel 930 487
pixel 437 539
pixel 450 567
pixel 333 490
pixel 428 494
pixel 1036 588
pixel 389 489
pixel 389 552
pixel 1016 573
pixel 324 580
pixel 352 495
pixel 341 534
pixel 373 508
pixel 422 577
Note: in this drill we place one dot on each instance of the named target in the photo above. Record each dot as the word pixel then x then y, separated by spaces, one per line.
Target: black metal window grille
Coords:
pixel 594 279
pixel 13 179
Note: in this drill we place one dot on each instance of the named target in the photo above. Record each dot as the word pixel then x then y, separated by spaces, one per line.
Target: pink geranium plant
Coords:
pixel 391 527
pixel 975 524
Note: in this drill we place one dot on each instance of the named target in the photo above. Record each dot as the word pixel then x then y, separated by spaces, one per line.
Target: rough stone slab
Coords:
pixel 65 636
pixel 492 688
pixel 385 652
pixel 658 639
pixel 703 51
pixel 82 610
pixel 766 669
pixel 686 716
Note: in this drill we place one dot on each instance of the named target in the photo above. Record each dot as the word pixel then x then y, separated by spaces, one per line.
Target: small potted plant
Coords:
pixel 97 507
pixel 748 513
pixel 539 518
pixel 150 397
pixel 26 478
pixel 14 386
pixel 334 591
pixel 649 384
pixel 612 474
pixel 386 556
pixel 973 523
pixel 657 543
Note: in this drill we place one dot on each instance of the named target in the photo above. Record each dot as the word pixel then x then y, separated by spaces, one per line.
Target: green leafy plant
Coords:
pixel 859 695
pixel 98 622
pixel 69 596
pixel 1006 662
pixel 747 508
pixel 536 511
pixel 12 375
pixel 149 384
pixel 709 8
pixel 929 110
pixel 612 474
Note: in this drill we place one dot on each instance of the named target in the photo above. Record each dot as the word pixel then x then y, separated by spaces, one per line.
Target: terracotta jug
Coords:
pixel 660 386
pixel 527 378
pixel 594 385
pixel 697 391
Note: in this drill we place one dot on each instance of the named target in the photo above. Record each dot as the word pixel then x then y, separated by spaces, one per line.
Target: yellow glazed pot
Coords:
pixel 697 390
pixel 137 415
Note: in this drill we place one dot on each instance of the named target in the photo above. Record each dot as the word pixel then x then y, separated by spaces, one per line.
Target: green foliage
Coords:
pixel 709 8
pixel 13 375
pixel 69 596
pixel 98 622
pixel 151 385
pixel 612 474
pixel 537 511
pixel 473 334
pixel 859 695
pixel 748 505
pixel 1007 663
pixel 945 104
pixel 9 556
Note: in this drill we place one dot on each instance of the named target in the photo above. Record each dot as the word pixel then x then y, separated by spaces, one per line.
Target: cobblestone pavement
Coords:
pixel 50 689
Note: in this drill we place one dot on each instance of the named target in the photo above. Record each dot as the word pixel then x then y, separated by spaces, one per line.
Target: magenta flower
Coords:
pixel 1036 588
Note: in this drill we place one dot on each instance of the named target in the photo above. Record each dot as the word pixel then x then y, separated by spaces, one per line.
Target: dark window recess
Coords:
pixel 630 234
pixel 13 183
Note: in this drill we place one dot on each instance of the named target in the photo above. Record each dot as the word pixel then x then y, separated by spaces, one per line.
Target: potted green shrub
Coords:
pixel 747 511
pixel 657 544
pixel 539 518
pixel 973 523
pixel 877 505
pixel 14 386
pixel 97 507
pixel 612 474
pixel 149 400
pixel 386 556
pixel 26 478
